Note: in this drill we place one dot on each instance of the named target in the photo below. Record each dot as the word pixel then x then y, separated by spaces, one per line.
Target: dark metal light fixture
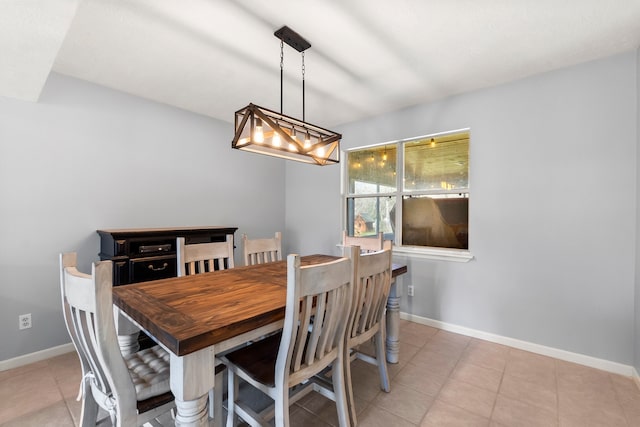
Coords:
pixel 264 131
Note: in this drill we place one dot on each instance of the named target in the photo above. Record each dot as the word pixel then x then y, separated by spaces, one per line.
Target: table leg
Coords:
pixel 192 376
pixel 393 324
pixel 127 333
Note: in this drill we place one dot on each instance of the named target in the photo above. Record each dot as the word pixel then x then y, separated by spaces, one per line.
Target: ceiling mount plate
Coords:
pixel 292 38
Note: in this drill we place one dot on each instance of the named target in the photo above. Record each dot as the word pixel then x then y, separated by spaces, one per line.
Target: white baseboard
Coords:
pixel 26 359
pixel 605 365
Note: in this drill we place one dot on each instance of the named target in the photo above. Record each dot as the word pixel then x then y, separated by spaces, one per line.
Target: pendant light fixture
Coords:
pixel 265 131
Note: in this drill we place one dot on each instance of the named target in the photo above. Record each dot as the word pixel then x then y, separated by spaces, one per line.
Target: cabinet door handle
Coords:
pixel 164 266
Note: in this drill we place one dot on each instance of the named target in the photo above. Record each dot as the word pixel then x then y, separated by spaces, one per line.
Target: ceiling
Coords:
pixel 367 57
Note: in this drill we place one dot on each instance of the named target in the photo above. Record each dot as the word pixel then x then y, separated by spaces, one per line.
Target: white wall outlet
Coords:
pixel 410 290
pixel 24 321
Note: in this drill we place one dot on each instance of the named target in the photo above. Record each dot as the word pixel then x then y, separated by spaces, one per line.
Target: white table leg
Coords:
pixel 127 333
pixel 393 324
pixel 192 376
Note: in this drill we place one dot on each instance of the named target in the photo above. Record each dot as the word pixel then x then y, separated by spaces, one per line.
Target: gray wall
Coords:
pixel 86 157
pixel 552 211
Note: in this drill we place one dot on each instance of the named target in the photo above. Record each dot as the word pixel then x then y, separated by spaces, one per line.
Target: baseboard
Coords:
pixel 26 359
pixel 605 365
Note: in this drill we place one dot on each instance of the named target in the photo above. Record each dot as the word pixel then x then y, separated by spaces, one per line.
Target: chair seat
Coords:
pixel 149 371
pixel 258 359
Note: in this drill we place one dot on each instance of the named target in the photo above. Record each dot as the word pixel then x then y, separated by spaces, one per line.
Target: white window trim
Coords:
pixel 433 253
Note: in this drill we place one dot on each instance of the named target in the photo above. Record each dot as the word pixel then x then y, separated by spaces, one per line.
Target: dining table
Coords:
pixel 199 316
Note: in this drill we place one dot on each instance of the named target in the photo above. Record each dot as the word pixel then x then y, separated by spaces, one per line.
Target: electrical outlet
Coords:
pixel 24 321
pixel 410 290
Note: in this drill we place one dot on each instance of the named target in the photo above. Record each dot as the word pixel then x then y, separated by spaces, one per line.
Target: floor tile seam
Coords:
pixel 449 377
pixel 400 416
pixel 542 408
pixel 417 390
pixel 495 401
pixel 314 415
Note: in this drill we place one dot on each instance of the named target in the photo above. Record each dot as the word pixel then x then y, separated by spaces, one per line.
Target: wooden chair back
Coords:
pixel 371 289
pixel 366 244
pixel 259 251
pixel 88 312
pixel 204 257
pixel 317 312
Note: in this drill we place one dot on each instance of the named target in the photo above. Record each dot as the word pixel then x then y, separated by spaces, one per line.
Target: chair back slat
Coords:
pixel 260 251
pixel 204 257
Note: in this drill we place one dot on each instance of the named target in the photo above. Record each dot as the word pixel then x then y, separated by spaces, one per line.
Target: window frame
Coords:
pixel 425 252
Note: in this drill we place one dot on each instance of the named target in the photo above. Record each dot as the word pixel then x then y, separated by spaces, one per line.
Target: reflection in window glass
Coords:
pixel 437 163
pixel 439 221
pixel 372 170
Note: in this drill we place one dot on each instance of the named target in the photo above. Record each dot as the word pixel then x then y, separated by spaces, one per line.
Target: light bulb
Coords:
pixel 275 141
pixel 307 141
pixel 320 151
pixel 258 135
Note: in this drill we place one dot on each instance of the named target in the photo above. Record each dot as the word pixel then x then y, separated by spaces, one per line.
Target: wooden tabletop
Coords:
pixel 190 313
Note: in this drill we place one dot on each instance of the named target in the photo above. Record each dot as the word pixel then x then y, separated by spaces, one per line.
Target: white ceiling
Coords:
pixel 368 57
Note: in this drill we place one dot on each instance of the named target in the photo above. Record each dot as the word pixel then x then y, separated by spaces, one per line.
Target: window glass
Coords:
pixel 437 163
pixel 438 221
pixel 372 170
pixel 367 216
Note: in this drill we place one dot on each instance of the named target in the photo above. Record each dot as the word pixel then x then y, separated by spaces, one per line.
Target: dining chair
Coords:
pixel 259 251
pixel 279 362
pixel 133 389
pixel 366 244
pixel 204 257
pixel 367 316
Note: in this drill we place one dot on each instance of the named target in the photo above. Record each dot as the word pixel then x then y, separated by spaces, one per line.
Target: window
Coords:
pixel 415 191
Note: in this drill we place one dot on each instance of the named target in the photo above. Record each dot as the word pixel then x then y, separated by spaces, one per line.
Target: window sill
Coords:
pixel 439 254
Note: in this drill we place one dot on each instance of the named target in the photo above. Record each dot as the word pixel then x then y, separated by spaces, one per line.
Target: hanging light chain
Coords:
pixel 303 119
pixel 281 70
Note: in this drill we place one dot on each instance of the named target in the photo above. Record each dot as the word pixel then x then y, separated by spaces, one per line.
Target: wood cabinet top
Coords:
pixel 165 230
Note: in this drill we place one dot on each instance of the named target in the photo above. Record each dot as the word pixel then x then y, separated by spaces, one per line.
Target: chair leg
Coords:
pixel 382 360
pixel 232 418
pixel 89 411
pixel 340 392
pixel 216 396
pixel 351 404
pixel 282 406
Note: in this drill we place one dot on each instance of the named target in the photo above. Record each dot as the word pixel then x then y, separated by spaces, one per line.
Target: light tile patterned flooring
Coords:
pixel 443 379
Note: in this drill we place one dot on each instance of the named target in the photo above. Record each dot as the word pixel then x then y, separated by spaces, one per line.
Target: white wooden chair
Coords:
pixel 259 251
pixel 133 389
pixel 367 317
pixel 366 244
pixel 203 257
pixel 279 362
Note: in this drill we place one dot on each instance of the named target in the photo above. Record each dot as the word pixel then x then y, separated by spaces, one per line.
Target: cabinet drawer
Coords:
pixel 152 268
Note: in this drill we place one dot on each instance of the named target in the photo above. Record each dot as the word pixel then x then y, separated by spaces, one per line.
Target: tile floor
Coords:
pixel 443 379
